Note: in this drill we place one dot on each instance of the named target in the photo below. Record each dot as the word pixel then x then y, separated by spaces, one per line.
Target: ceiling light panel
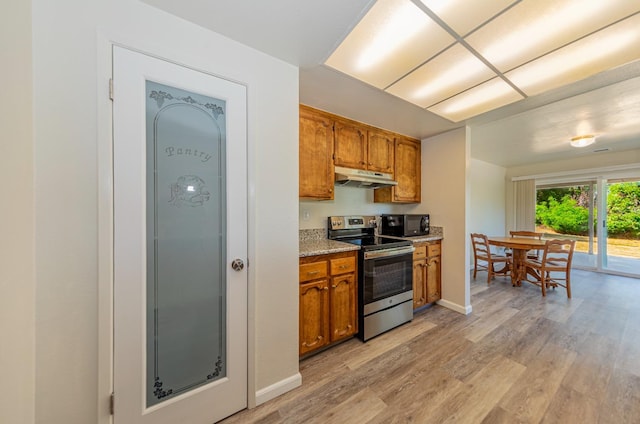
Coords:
pixel 464 16
pixel 392 39
pixel 614 46
pixel 533 28
pixel 483 98
pixel 448 74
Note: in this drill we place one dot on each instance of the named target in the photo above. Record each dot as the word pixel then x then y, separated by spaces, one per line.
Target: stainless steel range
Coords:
pixel 385 290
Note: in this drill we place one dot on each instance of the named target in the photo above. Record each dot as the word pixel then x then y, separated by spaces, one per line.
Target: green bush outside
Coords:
pixel 566 210
pixel 623 210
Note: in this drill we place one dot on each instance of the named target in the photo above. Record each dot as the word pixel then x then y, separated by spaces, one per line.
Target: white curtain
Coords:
pixel 525 205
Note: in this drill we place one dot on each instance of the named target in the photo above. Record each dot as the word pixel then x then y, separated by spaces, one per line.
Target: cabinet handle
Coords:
pixel 343 266
pixel 312 272
pixel 330 190
pixel 334 286
pixel 326 288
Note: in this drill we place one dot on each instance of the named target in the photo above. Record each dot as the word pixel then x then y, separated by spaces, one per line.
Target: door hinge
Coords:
pixel 112 401
pixel 110 88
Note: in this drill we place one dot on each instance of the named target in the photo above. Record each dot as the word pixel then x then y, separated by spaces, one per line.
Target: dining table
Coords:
pixel 519 246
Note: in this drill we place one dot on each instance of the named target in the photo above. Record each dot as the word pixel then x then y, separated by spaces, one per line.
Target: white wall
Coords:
pixel 445 163
pixel 487 193
pixel 17 280
pixel 71 52
pixel 487 200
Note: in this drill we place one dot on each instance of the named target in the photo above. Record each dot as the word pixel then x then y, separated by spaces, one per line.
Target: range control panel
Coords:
pixel 351 222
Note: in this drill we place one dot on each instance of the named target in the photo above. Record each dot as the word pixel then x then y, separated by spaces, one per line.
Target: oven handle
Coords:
pixel 387 253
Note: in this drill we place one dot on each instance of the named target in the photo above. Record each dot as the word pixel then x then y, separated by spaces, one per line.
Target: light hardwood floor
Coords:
pixel 518 358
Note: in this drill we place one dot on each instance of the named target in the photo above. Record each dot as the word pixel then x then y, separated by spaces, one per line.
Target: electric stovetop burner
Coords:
pixel 360 230
pixel 376 242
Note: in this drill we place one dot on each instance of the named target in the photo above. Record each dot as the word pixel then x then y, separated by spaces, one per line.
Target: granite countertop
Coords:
pixel 312 247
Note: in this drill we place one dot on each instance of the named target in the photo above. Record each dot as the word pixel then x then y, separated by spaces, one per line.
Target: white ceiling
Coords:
pixel 536 129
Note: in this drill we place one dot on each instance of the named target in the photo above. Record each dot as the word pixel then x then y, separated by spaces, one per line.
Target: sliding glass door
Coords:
pixel 621 222
pixel 568 210
pixel 606 227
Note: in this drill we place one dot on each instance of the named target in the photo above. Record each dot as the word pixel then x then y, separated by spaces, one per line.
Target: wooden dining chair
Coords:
pixel 531 254
pixel 485 259
pixel 554 269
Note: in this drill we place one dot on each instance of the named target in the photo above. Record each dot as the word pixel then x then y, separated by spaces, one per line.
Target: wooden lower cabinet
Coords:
pixel 328 300
pixel 419 286
pixel 344 298
pixel 426 273
pixel 314 308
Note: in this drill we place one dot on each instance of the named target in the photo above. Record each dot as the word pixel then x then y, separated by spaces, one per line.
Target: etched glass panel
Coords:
pixel 186 240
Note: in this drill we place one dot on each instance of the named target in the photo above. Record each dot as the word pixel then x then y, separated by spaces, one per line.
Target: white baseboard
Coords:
pixel 466 310
pixel 277 389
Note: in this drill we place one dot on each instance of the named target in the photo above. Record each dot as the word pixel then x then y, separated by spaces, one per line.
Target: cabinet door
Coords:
pixel 314 315
pixel 316 156
pixel 350 145
pixel 343 306
pixel 407 171
pixel 380 151
pixel 433 279
pixel 419 283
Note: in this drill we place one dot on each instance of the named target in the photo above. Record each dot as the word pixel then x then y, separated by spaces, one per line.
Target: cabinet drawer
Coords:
pixel 313 271
pixel 420 252
pixel 343 265
pixel 433 249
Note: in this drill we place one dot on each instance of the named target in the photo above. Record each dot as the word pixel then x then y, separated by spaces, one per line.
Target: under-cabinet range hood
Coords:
pixel 364 179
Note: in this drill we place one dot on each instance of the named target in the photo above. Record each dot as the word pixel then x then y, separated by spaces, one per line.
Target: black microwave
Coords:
pixel 405 225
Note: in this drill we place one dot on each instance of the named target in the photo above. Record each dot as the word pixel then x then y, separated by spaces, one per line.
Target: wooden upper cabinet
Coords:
pixel 361 147
pixel 408 173
pixel 380 155
pixel 328 140
pixel 350 144
pixel 316 167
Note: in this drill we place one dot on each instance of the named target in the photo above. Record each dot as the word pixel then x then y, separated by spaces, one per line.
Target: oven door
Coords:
pixel 386 273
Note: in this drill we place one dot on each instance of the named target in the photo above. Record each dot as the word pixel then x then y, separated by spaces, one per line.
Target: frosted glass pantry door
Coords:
pixel 179 243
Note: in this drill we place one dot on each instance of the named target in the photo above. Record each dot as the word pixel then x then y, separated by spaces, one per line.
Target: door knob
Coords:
pixel 237 264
